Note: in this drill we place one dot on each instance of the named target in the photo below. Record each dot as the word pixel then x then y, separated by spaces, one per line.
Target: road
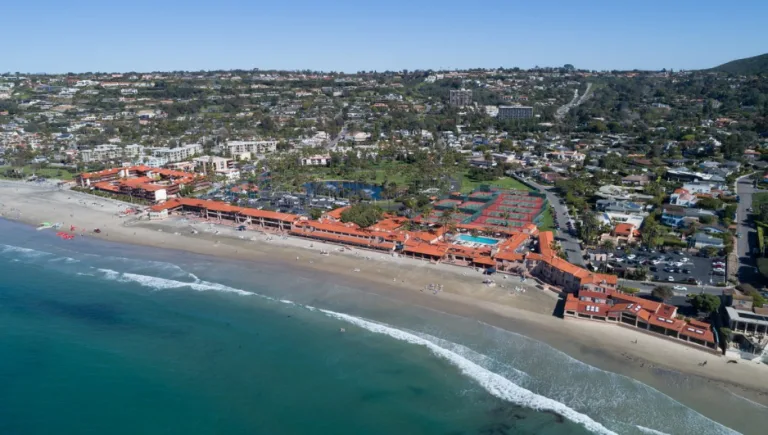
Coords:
pixel 747 235
pixel 569 243
pixel 645 287
pixel 563 110
pixel 335 141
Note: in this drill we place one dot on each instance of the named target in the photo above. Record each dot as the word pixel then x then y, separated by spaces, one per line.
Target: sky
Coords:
pixel 343 35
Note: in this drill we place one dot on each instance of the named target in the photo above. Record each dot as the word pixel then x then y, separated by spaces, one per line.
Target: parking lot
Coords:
pixel 680 266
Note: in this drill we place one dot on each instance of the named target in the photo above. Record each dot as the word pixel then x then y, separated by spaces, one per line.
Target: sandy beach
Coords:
pixel 622 350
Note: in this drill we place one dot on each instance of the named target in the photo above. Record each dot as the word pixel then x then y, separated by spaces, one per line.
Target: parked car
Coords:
pixel 670 279
pixel 686 271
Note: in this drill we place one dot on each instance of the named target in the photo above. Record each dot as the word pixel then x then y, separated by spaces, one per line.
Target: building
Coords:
pixel 701 240
pixel 683 198
pixel 566 156
pixel 673 216
pixel 622 234
pixel 213 163
pixel 642 314
pixel 515 112
pixel 460 97
pixel 101 153
pixel 220 166
pixel 749 325
pixel 144 182
pixel 557 271
pixel 184 152
pixel 316 160
pixel 635 180
pixel 251 146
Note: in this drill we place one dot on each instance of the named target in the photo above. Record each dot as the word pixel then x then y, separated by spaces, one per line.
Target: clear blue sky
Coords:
pixel 344 35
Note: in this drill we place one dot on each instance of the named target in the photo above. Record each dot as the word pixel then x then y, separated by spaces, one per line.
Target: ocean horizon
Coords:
pixel 102 337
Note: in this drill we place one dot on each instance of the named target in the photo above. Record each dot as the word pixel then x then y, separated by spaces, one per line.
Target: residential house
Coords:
pixel 672 216
pixel 702 240
pixel 682 198
pixel 635 180
pixel 316 160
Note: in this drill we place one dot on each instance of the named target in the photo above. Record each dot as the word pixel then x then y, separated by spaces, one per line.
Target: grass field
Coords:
pixel 60 174
pixel 468 185
pixel 547 222
pixel 396 171
pixel 759 199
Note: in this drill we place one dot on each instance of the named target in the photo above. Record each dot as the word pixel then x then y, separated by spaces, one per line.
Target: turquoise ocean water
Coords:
pixel 100 338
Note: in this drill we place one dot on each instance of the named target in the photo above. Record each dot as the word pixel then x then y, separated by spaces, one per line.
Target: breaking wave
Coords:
pixel 166 284
pixel 495 384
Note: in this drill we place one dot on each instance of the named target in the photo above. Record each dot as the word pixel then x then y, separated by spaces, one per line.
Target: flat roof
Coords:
pixel 746 316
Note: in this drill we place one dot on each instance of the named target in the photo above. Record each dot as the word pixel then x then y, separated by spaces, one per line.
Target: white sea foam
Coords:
pixel 286 301
pixel 165 284
pixel 752 402
pixel 26 252
pixel 650 431
pixel 492 382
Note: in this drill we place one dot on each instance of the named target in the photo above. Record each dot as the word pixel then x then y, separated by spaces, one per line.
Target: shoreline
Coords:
pixel 607 347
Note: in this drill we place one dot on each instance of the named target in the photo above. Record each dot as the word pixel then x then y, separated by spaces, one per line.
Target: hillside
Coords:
pixel 749 65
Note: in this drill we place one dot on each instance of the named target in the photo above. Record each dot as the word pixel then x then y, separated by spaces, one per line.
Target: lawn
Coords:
pixel 759 199
pixel 468 185
pixel 60 174
pixel 547 222
pixel 396 171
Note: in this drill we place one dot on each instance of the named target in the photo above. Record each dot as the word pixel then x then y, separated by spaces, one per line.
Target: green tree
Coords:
pixel 704 302
pixel 709 203
pixel 363 214
pixel 650 232
pixel 608 245
pixel 662 292
pixel 315 213
pixel 589 228
pixel 726 334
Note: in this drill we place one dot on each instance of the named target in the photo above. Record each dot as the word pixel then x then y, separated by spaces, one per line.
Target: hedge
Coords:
pixel 675 242
pixel 760 239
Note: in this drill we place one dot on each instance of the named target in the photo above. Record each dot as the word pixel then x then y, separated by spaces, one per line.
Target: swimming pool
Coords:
pixel 475 239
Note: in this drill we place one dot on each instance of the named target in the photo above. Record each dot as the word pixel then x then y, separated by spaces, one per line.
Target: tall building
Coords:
pixel 461 97
pixel 515 112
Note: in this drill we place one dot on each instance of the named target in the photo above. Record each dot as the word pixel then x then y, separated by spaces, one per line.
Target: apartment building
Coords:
pixel 460 97
pixel 515 112
pixel 251 146
pixel 184 152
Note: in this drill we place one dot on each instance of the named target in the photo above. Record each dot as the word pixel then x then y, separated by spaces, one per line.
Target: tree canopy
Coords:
pixel 363 214
pixel 704 302
pixel 662 292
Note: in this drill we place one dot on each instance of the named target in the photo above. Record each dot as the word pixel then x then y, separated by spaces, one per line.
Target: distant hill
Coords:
pixel 749 65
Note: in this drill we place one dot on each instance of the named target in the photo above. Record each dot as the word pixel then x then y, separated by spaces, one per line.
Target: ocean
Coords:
pixel 102 338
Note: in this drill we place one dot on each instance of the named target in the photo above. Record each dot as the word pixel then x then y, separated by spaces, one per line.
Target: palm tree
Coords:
pixel 506 216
